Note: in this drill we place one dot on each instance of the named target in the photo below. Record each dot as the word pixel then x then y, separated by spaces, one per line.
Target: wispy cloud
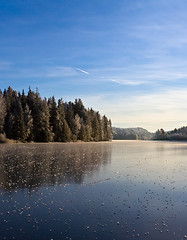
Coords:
pixel 78 69
pixel 128 82
pixel 157 72
pixel 165 109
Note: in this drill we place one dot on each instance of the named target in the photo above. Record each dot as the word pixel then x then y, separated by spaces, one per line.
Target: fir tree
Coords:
pixel 54 116
pixel 70 118
pixel 28 123
pixel 82 134
pixel 77 126
pixel 23 99
pixel 107 129
pixel 17 119
pixel 79 109
pixel 10 97
pixel 2 113
pixel 64 132
pixel 96 129
pixel 41 128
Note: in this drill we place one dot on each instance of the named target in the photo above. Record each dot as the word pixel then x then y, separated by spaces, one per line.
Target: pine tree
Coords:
pixel 82 134
pixel 41 128
pixel 28 123
pixel 107 129
pixel 160 135
pixel 18 125
pixel 88 125
pixel 48 135
pixel 23 99
pixel 77 126
pixel 96 129
pixel 64 132
pixel 54 116
pixel 79 108
pixel 110 132
pixel 10 97
pixel 70 118
pixel 2 113
pixel 31 97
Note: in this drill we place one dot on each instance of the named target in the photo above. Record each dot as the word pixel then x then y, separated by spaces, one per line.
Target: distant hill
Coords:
pixel 131 134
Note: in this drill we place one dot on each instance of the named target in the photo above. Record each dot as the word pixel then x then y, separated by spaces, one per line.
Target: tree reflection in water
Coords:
pixel 35 165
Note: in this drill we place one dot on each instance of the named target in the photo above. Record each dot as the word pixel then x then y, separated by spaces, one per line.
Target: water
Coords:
pixel 118 190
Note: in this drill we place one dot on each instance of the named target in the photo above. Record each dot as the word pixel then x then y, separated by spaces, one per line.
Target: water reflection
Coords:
pixel 34 165
pixel 120 190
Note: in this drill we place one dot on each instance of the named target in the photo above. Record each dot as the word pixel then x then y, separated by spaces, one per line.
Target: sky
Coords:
pixel 126 59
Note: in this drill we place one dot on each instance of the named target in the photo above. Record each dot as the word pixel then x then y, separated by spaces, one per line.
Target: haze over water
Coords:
pixel 116 190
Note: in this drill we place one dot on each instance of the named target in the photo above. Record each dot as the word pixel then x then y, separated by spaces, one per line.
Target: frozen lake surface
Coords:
pixel 116 190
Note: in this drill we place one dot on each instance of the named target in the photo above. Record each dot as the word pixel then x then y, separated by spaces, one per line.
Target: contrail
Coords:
pixel 78 69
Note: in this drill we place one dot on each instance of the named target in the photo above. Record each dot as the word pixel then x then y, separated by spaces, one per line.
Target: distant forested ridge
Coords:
pixel 131 134
pixel 179 134
pixel 31 118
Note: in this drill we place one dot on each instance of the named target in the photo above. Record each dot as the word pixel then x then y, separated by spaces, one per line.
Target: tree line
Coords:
pixel 179 134
pixel 31 118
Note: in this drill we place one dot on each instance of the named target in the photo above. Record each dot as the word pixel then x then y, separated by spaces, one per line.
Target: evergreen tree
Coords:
pixel 88 125
pixel 70 118
pixel 28 123
pixel 107 129
pixel 100 129
pixel 54 116
pixel 64 132
pixel 17 119
pixel 82 134
pixel 23 99
pixel 96 128
pixel 27 118
pixel 2 113
pixel 110 131
pixel 41 128
pixel 160 135
pixel 79 109
pixel 48 135
pixel 31 96
pixel 77 126
pixel 10 97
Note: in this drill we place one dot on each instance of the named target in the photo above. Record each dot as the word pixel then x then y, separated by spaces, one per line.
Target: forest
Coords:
pixel 137 133
pixel 27 118
pixel 179 134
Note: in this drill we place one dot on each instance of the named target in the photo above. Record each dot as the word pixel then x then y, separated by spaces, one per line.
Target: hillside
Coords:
pixel 131 134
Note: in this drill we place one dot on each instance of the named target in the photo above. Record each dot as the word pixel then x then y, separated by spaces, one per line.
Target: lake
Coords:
pixel 110 190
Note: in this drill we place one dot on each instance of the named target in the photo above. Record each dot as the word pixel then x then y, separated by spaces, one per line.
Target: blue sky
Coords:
pixel 126 59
